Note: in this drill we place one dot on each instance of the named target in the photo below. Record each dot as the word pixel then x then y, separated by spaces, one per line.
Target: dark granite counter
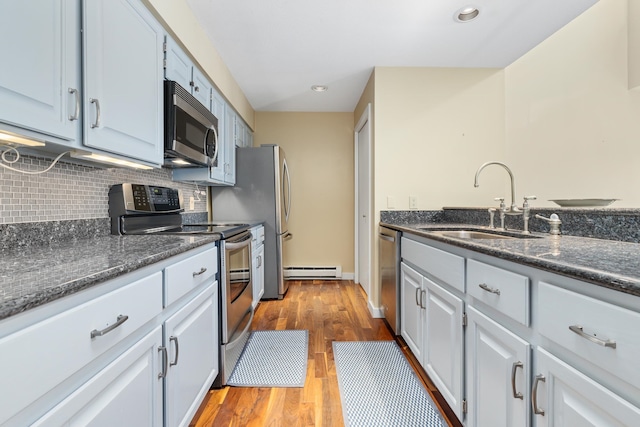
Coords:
pixel 609 263
pixel 32 275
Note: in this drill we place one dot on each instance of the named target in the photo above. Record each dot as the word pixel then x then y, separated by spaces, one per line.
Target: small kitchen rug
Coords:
pixel 273 359
pixel 379 388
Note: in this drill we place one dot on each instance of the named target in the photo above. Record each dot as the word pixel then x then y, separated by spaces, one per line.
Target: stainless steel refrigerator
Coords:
pixel 262 192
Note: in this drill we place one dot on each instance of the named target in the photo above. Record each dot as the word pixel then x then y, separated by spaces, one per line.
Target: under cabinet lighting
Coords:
pixel 180 162
pixel 17 139
pixel 78 154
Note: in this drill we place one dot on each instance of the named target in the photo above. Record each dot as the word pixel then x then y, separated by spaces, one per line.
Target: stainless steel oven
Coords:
pixel 236 300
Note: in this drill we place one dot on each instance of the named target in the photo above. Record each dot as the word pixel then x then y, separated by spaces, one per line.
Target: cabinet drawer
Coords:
pixel 503 290
pixel 185 275
pixel 442 265
pixel 36 359
pixel 601 322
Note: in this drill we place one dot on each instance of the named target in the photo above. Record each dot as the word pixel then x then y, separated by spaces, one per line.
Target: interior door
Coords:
pixel 363 210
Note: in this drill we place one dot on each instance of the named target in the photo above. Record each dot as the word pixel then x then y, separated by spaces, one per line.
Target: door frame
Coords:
pixel 365 120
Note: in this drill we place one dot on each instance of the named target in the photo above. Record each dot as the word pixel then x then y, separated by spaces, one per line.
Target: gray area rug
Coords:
pixel 379 388
pixel 273 359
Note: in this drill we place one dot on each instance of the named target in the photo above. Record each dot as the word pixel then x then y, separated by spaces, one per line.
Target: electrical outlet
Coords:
pixel 391 202
pixel 192 203
pixel 413 202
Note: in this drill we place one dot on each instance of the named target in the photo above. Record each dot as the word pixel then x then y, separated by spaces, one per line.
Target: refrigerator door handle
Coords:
pixel 287 194
pixel 287 236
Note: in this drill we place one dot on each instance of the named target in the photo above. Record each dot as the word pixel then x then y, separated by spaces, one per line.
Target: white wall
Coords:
pixel 572 126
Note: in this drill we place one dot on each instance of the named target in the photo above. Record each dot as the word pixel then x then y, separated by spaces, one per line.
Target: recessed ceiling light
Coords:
pixel 466 14
pixel 319 88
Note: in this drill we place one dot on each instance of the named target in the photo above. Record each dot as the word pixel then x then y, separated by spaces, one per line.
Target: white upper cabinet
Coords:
pixel 123 70
pixel 40 75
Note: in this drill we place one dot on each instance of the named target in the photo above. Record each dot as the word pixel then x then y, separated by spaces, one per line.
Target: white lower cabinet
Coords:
pixel 443 343
pixel 431 320
pixel 127 392
pixel 564 397
pixel 191 344
pixel 583 371
pixel 412 314
pixel 111 355
pixel 497 374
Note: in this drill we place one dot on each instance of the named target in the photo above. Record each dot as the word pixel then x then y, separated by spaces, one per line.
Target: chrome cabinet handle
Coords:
pixel 594 339
pixel 197 273
pixel 423 293
pixel 175 360
pixel 489 289
pixel 96 124
pixel 418 302
pixel 514 368
pixel 76 112
pixel 259 260
pixel 119 321
pixel 534 395
pixel 162 349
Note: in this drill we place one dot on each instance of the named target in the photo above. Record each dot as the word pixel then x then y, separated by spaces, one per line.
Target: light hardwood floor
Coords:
pixel 330 311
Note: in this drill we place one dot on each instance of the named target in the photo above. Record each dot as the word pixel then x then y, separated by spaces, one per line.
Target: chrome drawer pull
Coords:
pixel 489 289
pixel 534 395
pixel 76 111
pixel 119 321
pixel 165 358
pixel 605 343
pixel 418 302
pixel 516 394
pixel 175 361
pixel 96 124
pixel 197 273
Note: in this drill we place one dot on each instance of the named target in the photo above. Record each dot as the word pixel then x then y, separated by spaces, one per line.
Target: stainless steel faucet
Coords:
pixel 513 207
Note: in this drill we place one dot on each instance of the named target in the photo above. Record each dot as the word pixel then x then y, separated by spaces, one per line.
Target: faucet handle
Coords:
pixel 527 198
pixel 503 207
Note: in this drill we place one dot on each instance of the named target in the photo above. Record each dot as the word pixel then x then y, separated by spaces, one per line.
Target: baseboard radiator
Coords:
pixel 312 272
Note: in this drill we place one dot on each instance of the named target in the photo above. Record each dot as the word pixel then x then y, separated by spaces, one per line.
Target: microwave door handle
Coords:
pixel 215 138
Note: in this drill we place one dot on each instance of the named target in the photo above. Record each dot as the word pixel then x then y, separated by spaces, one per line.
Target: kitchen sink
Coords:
pixel 459 233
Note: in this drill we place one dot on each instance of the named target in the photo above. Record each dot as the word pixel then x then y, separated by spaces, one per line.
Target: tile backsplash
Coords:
pixel 70 191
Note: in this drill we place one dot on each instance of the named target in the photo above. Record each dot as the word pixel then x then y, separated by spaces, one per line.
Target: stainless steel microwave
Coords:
pixel 190 129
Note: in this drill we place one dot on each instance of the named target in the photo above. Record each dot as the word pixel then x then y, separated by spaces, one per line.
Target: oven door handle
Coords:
pixel 238 242
pixel 244 331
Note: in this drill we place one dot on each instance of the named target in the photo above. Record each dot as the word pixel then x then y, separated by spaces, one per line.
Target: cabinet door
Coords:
pixel 443 344
pixel 497 374
pixel 40 77
pixel 411 311
pixel 571 399
pixel 128 392
pixel 258 274
pixel 201 89
pixel 179 66
pixel 123 74
pixel 191 338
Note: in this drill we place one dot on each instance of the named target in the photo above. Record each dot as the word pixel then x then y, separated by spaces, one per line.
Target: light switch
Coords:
pixel 391 202
pixel 413 202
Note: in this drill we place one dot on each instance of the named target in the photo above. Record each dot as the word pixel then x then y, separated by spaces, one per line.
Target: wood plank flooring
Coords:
pixel 330 311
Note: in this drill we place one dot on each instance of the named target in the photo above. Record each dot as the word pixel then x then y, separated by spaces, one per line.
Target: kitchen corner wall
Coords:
pixel 71 191
pixel 319 149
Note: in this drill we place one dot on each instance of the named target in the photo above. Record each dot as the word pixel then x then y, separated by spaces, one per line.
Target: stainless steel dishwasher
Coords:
pixel 389 277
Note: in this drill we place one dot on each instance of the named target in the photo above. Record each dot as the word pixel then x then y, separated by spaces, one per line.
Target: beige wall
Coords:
pixel 185 29
pixel 433 128
pixel 573 127
pixel 319 149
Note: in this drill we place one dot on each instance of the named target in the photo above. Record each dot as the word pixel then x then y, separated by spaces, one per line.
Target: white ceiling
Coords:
pixel 278 49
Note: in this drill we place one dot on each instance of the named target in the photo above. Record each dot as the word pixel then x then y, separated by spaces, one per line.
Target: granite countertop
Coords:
pixel 36 274
pixel 608 263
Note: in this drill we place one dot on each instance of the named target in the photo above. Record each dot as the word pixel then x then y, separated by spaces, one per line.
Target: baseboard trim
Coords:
pixel 376 312
pixel 348 276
